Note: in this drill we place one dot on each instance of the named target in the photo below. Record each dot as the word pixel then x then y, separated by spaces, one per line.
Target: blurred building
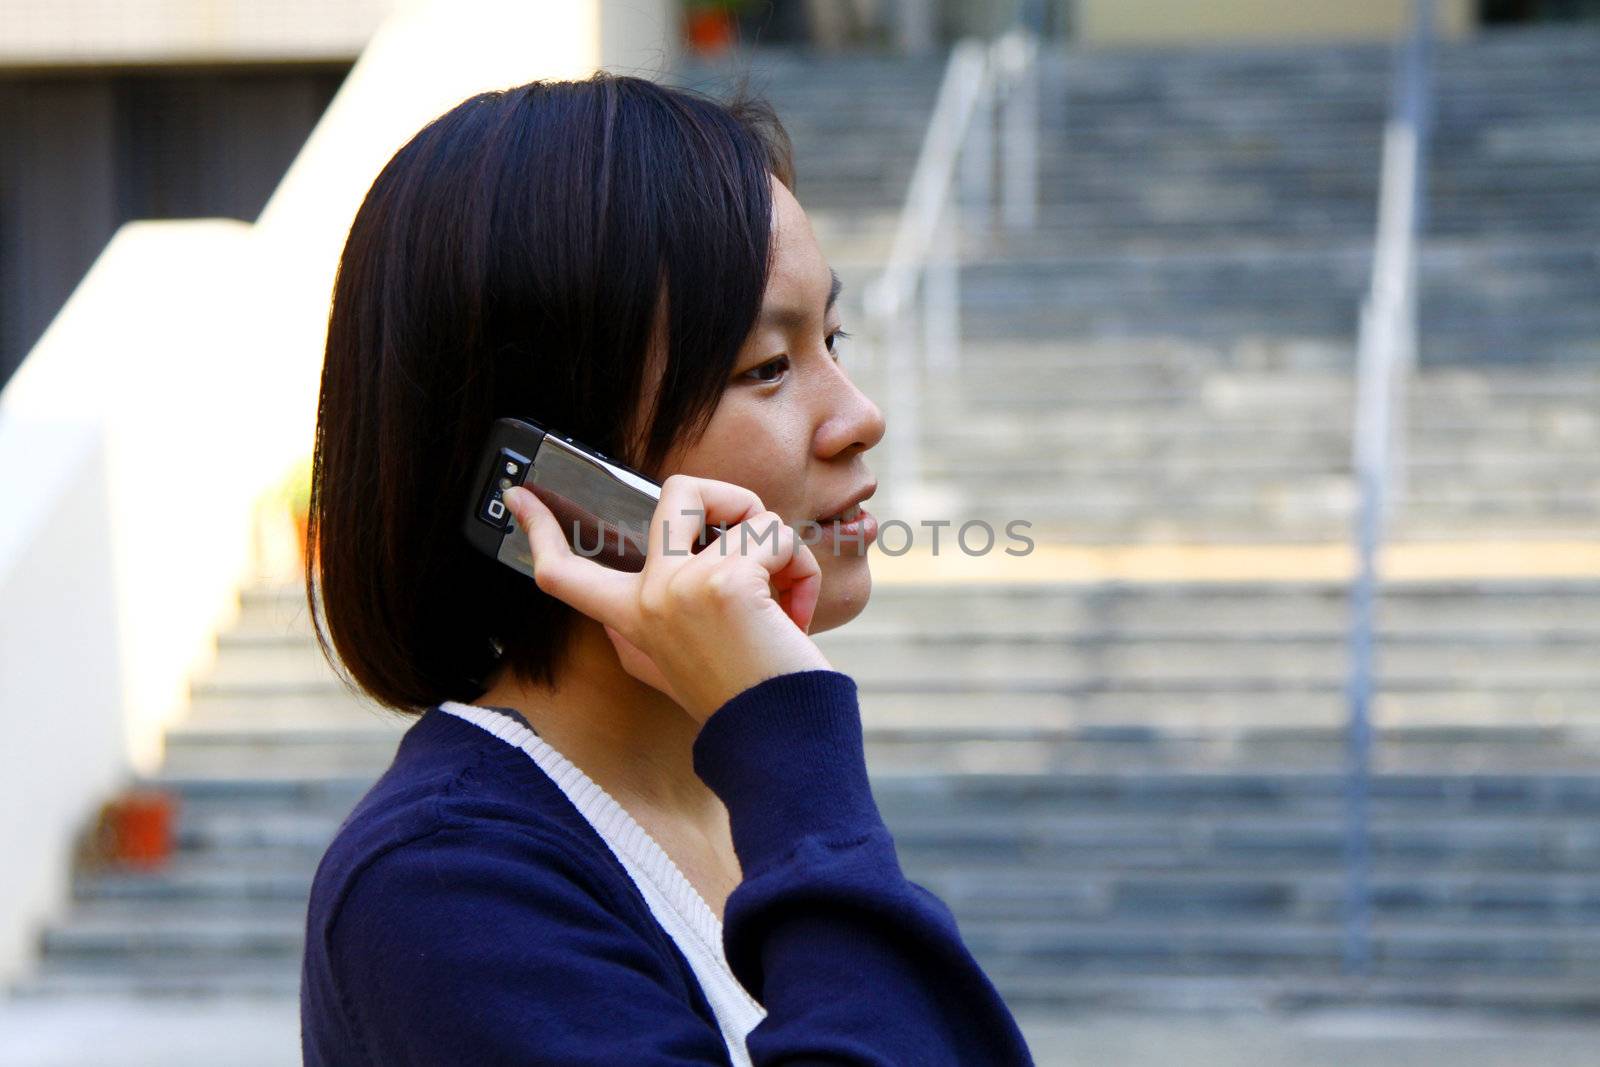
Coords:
pixel 843 23
pixel 112 111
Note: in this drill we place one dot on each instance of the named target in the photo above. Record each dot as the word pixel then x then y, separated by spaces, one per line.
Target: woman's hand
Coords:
pixel 701 627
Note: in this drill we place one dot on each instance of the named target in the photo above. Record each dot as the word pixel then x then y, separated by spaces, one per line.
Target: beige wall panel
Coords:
pixel 94 32
pixel 1210 21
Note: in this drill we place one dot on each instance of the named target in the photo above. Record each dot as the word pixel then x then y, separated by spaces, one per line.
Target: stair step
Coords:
pixel 1128 833
pixel 1515 603
pixel 1278 996
pixel 886 661
pixel 1055 946
pixel 180 979
pixel 154 932
pixel 1066 947
pixel 1547 793
pixel 960 747
pixel 1554 899
pixel 207 878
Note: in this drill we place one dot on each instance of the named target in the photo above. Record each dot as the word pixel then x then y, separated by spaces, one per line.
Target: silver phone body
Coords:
pixel 603 508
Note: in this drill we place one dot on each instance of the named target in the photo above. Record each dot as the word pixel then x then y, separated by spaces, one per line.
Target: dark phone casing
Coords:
pixel 604 507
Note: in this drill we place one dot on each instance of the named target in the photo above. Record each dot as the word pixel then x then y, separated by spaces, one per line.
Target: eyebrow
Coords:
pixel 793 318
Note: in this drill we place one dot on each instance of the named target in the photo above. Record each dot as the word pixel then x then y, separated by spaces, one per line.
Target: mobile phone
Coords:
pixel 603 507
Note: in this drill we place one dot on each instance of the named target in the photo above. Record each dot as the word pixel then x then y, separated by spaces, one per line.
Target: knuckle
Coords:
pixel 721 585
pixel 653 603
pixel 772 530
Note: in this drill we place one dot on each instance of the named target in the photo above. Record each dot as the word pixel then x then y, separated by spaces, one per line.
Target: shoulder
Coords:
pixel 459 891
pixel 464 889
pixel 459 804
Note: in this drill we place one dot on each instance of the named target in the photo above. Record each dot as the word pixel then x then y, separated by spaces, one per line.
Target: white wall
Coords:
pixel 140 360
pixel 123 537
pixel 59 698
pixel 174 388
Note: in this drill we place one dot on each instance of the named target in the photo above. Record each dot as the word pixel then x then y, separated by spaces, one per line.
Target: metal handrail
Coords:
pixel 1386 355
pixel 919 287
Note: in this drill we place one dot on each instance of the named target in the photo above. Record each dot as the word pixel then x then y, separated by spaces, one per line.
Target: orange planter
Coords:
pixel 141 828
pixel 711 30
pixel 302 551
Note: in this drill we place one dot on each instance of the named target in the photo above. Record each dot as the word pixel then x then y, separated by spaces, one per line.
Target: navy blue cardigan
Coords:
pixel 466 913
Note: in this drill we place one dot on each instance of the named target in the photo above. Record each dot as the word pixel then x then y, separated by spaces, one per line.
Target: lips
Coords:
pixel 849 509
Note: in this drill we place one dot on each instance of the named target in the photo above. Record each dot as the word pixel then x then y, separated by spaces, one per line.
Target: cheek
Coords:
pixel 766 455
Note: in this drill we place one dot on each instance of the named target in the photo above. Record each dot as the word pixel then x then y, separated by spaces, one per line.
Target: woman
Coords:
pixel 632 824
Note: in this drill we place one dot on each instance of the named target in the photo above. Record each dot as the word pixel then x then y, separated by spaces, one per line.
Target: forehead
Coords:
pixel 798 265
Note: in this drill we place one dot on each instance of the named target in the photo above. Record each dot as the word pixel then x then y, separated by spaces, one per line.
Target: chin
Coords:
pixel 846 588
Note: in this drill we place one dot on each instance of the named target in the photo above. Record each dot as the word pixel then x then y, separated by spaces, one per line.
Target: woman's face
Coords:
pixel 791 426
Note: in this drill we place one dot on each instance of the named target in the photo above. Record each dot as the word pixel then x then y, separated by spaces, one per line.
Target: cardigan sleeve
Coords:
pixel 488 945
pixel 854 963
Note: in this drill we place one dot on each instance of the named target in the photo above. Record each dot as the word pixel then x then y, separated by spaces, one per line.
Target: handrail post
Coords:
pixel 892 335
pixel 952 185
pixel 978 162
pixel 1385 357
pixel 1018 56
pixel 941 300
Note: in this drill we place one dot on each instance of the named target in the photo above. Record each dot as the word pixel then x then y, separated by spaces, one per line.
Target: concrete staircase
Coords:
pixel 1171 441
pixel 856 122
pixel 1254 176
pixel 1128 792
pixel 1121 791
pixel 1167 356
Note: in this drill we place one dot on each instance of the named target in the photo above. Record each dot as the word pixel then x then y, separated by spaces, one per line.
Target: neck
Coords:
pixel 628 737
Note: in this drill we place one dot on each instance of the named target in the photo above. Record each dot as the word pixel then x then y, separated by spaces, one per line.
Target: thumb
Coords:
pixel 524 506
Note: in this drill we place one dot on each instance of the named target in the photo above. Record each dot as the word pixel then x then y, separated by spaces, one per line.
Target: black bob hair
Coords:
pixel 535 252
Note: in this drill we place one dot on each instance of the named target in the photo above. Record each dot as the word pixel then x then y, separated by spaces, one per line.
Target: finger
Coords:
pixel 794 575
pixel 800 586
pixel 598 591
pixel 687 506
pixel 793 571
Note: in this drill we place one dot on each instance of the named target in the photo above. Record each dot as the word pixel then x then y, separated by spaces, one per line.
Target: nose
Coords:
pixel 851 422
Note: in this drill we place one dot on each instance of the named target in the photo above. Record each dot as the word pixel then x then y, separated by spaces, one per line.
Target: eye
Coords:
pixel 835 340
pixel 770 371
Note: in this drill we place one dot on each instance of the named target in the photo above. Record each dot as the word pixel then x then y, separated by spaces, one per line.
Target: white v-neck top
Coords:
pixel 674 902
